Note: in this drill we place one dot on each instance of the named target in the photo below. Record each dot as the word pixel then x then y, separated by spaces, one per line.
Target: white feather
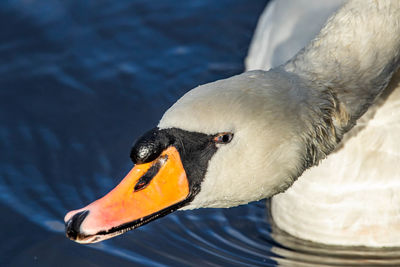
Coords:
pixel 352 197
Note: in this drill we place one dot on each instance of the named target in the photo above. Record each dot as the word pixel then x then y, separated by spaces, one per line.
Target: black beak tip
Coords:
pixel 72 226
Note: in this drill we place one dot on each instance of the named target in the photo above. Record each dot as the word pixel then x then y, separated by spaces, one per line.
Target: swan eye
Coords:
pixel 223 138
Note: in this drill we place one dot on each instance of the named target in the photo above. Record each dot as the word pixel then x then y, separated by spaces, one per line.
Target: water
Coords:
pixel 79 82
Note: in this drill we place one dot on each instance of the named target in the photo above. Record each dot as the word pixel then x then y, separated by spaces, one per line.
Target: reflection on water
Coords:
pixel 291 251
pixel 79 81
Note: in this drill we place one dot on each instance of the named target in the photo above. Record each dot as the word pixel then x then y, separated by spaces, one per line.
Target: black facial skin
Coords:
pixel 195 150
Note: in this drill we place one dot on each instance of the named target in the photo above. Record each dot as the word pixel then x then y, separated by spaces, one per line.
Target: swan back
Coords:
pixel 284 28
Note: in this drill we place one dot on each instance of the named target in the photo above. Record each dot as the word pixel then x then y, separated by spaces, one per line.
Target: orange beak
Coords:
pixel 149 191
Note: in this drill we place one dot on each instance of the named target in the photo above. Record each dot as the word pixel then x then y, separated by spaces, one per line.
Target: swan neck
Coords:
pixel 354 56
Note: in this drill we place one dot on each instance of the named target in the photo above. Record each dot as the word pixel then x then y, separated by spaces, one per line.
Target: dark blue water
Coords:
pixel 79 82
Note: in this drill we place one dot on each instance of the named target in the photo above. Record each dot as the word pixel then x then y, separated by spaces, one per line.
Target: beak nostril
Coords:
pixel 144 181
pixel 73 225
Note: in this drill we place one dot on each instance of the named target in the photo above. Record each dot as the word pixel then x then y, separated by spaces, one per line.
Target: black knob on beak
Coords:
pixel 150 146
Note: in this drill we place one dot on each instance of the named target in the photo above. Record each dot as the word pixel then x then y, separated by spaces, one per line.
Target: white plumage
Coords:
pixel 353 196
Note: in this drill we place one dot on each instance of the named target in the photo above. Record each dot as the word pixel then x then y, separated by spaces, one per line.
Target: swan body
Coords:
pixel 353 196
pixel 284 28
pixel 251 136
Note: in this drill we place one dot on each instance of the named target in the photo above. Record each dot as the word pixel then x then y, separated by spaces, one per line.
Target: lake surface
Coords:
pixel 79 82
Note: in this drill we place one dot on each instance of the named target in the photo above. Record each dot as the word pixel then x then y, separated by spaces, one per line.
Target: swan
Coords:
pixel 345 183
pixel 251 136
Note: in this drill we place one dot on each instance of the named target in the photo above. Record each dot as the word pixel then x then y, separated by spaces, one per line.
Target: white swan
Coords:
pixel 251 136
pixel 352 197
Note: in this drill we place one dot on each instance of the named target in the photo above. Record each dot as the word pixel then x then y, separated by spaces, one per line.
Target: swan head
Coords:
pixel 222 144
